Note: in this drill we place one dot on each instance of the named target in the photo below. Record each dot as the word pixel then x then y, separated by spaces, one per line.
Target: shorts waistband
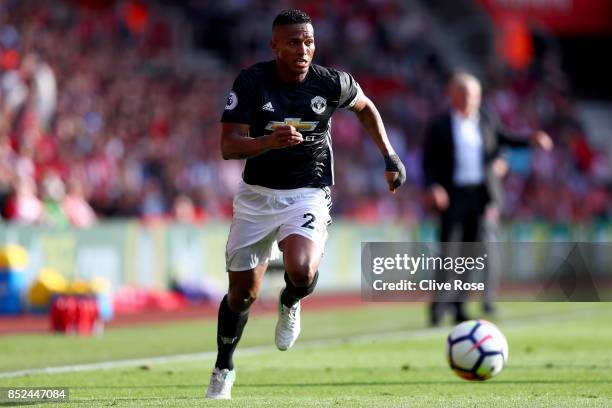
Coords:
pixel 280 193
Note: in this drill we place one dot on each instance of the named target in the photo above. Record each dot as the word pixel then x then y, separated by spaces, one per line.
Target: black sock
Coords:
pixel 291 294
pixel 229 330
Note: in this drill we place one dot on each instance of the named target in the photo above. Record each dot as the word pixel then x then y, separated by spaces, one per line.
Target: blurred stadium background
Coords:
pixel 111 177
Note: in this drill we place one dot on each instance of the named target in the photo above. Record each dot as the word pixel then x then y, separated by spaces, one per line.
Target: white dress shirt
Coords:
pixel 469 168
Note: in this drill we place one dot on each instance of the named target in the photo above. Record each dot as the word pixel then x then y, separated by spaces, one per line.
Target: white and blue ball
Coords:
pixel 476 350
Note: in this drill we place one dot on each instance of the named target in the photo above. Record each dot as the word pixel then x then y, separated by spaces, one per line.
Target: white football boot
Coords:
pixel 221 382
pixel 288 326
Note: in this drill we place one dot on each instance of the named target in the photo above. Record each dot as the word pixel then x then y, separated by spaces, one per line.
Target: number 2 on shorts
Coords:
pixel 308 224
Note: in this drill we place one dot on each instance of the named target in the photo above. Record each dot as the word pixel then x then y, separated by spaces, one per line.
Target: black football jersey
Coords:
pixel 262 100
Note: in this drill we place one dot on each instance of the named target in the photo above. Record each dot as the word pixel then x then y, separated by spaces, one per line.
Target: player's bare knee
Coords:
pixel 310 276
pixel 302 275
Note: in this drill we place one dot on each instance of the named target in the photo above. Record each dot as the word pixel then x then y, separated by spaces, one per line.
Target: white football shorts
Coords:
pixel 264 216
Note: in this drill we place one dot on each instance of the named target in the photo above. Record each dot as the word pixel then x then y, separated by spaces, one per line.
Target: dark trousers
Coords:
pixel 461 222
pixel 464 213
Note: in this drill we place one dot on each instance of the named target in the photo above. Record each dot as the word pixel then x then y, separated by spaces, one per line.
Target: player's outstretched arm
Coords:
pixel 368 115
pixel 236 142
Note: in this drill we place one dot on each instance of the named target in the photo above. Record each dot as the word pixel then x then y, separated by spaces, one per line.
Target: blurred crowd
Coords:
pixel 94 95
pixel 102 116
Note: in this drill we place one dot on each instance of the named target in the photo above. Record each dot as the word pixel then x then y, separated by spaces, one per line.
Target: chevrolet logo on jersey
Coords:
pixel 295 122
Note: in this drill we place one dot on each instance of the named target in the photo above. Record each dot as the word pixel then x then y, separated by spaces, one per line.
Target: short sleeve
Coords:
pixel 349 89
pixel 240 100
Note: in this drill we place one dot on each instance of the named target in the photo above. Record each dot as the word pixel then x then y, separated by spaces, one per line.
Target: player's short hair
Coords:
pixel 291 16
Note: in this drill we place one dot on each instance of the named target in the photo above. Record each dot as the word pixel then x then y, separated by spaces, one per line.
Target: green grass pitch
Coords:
pixel 378 356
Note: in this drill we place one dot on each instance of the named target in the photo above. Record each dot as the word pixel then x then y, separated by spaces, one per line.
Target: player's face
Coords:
pixel 294 46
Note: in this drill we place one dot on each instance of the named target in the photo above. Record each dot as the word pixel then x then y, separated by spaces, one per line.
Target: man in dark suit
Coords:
pixel 461 148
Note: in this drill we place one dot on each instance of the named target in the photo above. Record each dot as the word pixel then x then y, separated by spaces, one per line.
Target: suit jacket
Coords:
pixel 439 153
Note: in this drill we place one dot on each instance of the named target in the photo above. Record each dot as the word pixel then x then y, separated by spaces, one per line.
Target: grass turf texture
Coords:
pixel 380 356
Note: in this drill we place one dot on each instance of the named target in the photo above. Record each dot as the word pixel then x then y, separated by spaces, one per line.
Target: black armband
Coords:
pixel 393 163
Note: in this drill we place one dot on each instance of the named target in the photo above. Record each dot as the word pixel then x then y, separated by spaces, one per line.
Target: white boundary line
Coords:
pixel 364 338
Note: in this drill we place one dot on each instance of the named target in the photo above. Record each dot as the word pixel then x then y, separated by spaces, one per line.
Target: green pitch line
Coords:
pixel 18 352
pixel 559 356
pixel 539 320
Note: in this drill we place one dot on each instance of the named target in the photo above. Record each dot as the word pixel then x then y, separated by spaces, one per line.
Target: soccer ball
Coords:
pixel 476 350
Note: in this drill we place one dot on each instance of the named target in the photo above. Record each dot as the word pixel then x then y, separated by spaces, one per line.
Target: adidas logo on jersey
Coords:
pixel 268 107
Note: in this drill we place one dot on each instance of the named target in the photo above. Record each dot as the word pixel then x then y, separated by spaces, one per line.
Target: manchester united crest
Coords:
pixel 318 104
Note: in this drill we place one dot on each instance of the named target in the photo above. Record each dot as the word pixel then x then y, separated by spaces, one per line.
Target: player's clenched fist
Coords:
pixel 395 172
pixel 284 136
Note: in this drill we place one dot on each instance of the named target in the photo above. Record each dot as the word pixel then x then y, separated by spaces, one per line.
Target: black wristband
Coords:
pixel 393 163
